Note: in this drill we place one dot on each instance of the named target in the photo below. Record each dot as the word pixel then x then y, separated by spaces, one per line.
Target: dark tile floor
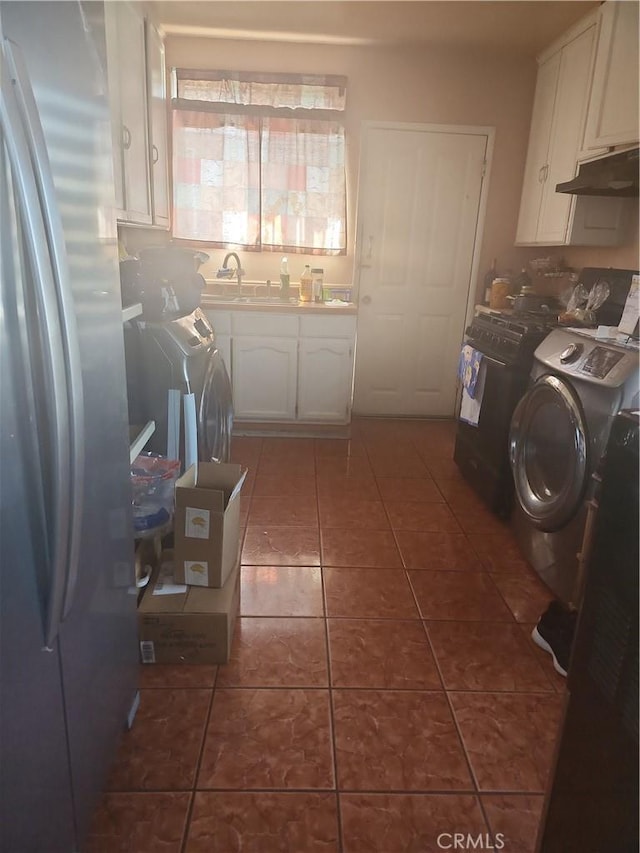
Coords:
pixel 383 687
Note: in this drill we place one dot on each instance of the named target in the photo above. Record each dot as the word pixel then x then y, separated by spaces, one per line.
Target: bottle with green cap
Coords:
pixel 284 278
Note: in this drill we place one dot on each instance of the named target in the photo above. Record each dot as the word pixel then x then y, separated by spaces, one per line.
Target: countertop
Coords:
pixel 275 305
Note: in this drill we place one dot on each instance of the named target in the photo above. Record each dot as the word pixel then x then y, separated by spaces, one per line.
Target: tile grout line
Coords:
pixel 194 789
pixel 340 839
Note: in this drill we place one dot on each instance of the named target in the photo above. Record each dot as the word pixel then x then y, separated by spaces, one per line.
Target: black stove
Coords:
pixel 507 341
pixel 511 338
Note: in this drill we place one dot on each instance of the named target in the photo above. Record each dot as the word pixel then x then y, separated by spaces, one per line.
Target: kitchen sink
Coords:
pixel 252 300
pixel 265 300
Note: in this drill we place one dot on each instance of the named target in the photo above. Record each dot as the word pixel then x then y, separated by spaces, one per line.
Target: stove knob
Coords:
pixel 571 353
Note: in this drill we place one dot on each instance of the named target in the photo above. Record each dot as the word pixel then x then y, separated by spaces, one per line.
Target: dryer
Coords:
pixel 181 354
pixel 558 434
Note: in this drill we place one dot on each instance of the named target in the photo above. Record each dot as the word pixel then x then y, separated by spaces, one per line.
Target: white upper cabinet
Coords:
pixel 137 95
pixel 613 107
pixel 128 93
pixel 157 98
pixel 538 151
pixel 567 131
pixel 555 142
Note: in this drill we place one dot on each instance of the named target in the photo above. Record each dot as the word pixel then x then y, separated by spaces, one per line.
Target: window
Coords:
pixel 259 160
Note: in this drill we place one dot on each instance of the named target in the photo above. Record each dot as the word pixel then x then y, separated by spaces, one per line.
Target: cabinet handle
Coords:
pixel 156 154
pixel 541 174
pixel 126 137
pixel 366 300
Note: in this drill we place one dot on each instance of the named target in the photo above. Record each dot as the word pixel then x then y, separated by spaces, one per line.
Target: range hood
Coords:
pixel 615 175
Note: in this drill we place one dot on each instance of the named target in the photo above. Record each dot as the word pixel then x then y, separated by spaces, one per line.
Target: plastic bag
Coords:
pixel 152 482
pixel 582 305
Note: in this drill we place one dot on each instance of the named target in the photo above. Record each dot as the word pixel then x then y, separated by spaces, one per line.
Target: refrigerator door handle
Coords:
pixel 50 332
pixel 58 255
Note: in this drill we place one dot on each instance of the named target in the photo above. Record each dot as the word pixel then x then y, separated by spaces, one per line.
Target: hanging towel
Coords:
pixel 471 370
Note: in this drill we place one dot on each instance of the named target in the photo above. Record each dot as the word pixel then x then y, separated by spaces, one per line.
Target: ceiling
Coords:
pixel 503 25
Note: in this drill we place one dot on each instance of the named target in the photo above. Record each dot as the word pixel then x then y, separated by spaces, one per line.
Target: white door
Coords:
pixel 418 215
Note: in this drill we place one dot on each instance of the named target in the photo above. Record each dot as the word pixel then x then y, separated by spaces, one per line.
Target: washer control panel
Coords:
pixel 564 352
pixel 600 362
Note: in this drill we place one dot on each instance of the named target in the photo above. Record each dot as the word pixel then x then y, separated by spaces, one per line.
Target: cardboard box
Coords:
pixel 207 523
pixel 192 625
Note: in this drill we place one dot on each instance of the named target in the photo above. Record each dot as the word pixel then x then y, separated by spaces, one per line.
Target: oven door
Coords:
pixel 548 453
pixel 481 451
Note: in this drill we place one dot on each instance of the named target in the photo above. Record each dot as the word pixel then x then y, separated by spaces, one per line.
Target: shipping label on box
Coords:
pixel 207 523
pixel 192 626
pixel 196 572
pixel 196 523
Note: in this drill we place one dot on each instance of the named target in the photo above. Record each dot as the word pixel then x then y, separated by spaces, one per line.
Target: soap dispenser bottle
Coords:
pixel 284 279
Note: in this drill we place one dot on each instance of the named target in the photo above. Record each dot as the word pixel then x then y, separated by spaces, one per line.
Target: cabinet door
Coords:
pixel 613 107
pixel 157 95
pixel 566 136
pixel 541 120
pixel 264 377
pixel 325 379
pixel 133 105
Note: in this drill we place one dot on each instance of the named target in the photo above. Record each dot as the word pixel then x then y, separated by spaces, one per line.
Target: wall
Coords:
pixel 394 84
pixel 407 85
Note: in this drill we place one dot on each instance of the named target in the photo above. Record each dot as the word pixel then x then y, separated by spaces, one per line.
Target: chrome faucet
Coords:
pixel 222 273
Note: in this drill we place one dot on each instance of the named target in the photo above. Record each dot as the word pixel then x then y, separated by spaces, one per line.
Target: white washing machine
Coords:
pixel 558 434
pixel 181 354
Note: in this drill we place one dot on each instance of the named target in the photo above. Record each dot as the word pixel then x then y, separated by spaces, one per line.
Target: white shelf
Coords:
pixel 140 437
pixel 131 311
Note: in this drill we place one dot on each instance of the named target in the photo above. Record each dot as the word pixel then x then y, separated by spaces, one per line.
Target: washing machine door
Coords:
pixel 215 419
pixel 548 453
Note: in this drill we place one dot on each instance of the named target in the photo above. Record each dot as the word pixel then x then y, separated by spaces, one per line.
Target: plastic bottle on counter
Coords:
pixel 306 284
pixel 317 276
pixel 284 278
pixel 488 281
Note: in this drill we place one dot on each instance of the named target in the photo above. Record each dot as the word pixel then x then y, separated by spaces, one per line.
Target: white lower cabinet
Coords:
pixel 287 367
pixel 264 373
pixel 325 378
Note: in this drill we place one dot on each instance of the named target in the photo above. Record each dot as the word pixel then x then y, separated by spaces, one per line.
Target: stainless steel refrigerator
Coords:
pixel 68 646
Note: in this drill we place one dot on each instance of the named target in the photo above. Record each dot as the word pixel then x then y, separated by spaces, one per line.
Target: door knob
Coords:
pixel 366 300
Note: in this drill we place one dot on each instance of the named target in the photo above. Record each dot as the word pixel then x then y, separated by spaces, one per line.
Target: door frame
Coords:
pixel 462 129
